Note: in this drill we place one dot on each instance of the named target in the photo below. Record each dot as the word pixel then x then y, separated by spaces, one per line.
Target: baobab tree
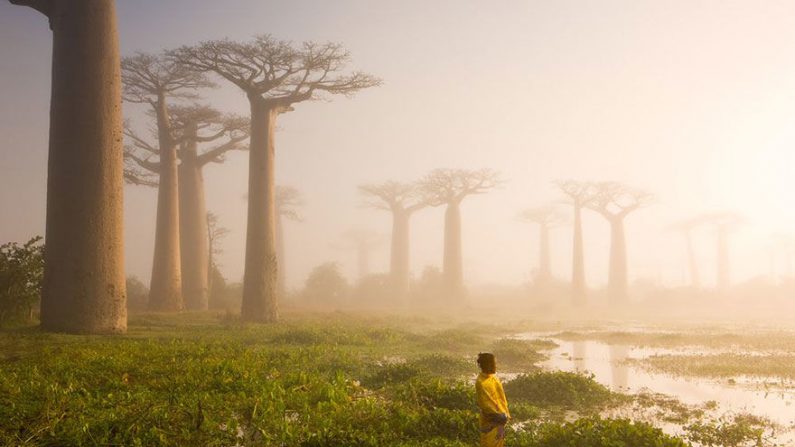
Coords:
pixel 546 217
pixel 217 134
pixel 685 228
pixel 578 194
pixel 275 75
pixel 288 200
pixel 215 232
pixel 615 201
pixel 723 223
pixel 362 242
pixel 449 187
pixel 84 283
pixel 402 200
pixel 154 80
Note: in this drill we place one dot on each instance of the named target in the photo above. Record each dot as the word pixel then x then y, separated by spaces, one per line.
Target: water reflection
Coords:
pixel 579 355
pixel 618 366
pixel 609 365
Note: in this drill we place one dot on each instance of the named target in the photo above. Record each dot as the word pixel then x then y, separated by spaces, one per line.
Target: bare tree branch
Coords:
pixel 277 72
pixel 393 196
pixel 549 216
pixel 42 6
pixel 614 200
pixel 446 186
pixel 288 199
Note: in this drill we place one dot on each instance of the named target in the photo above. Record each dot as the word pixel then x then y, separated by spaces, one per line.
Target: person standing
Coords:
pixel 492 403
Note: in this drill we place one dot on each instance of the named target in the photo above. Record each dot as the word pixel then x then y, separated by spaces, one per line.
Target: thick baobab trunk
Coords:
pixel 695 281
pixel 617 277
pixel 281 273
pixel 165 289
pixel 399 256
pixel 723 259
pixel 261 270
pixel 578 261
pixel 452 266
pixel 544 267
pixel 84 287
pixel 193 232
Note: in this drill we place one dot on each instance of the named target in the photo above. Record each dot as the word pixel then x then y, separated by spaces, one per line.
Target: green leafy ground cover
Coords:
pixel 331 380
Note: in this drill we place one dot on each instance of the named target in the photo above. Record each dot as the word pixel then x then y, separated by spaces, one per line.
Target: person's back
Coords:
pixel 492 403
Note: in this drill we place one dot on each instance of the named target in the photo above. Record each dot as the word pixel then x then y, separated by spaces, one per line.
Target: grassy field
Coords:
pixel 312 380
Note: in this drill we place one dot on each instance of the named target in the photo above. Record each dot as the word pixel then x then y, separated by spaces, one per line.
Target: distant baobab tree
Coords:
pixel 546 217
pixel 723 223
pixel 84 283
pixel 615 201
pixel 362 242
pixel 402 200
pixel 274 75
pixel 685 228
pixel 579 195
pixel 217 134
pixel 153 80
pixel 449 187
pixel 288 200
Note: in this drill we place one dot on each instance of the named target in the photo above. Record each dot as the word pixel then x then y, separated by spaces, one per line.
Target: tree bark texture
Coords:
pixel 261 269
pixel 399 256
pixel 165 289
pixel 84 287
pixel 193 232
pixel 452 265
pixel 578 285
pixel 617 275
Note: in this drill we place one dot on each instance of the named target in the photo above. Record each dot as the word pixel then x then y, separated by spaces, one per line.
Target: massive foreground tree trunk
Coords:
pixel 399 254
pixel 452 265
pixel 194 241
pixel 617 276
pixel 260 278
pixel 165 290
pixel 578 260
pixel 84 286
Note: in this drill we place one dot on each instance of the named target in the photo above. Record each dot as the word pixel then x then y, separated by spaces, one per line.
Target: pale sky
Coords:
pixel 691 100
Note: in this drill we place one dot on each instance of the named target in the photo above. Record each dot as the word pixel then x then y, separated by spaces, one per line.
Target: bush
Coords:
pixel 137 294
pixel 21 273
pixel 326 285
pixel 597 432
pixel 559 389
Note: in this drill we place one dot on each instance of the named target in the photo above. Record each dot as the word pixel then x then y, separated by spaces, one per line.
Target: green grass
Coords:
pixel 313 380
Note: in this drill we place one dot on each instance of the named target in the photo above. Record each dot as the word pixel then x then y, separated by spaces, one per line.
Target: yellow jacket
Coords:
pixel 491 398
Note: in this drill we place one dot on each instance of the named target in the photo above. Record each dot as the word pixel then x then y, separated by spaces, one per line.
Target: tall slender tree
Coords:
pixel 402 200
pixel 724 223
pixel 578 194
pixel 154 80
pixel 217 134
pixel 362 242
pixel 274 75
pixel 615 201
pixel 449 187
pixel 685 228
pixel 546 217
pixel 84 284
pixel 288 200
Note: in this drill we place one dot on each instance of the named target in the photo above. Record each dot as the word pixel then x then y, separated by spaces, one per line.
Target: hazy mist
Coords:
pixel 691 101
